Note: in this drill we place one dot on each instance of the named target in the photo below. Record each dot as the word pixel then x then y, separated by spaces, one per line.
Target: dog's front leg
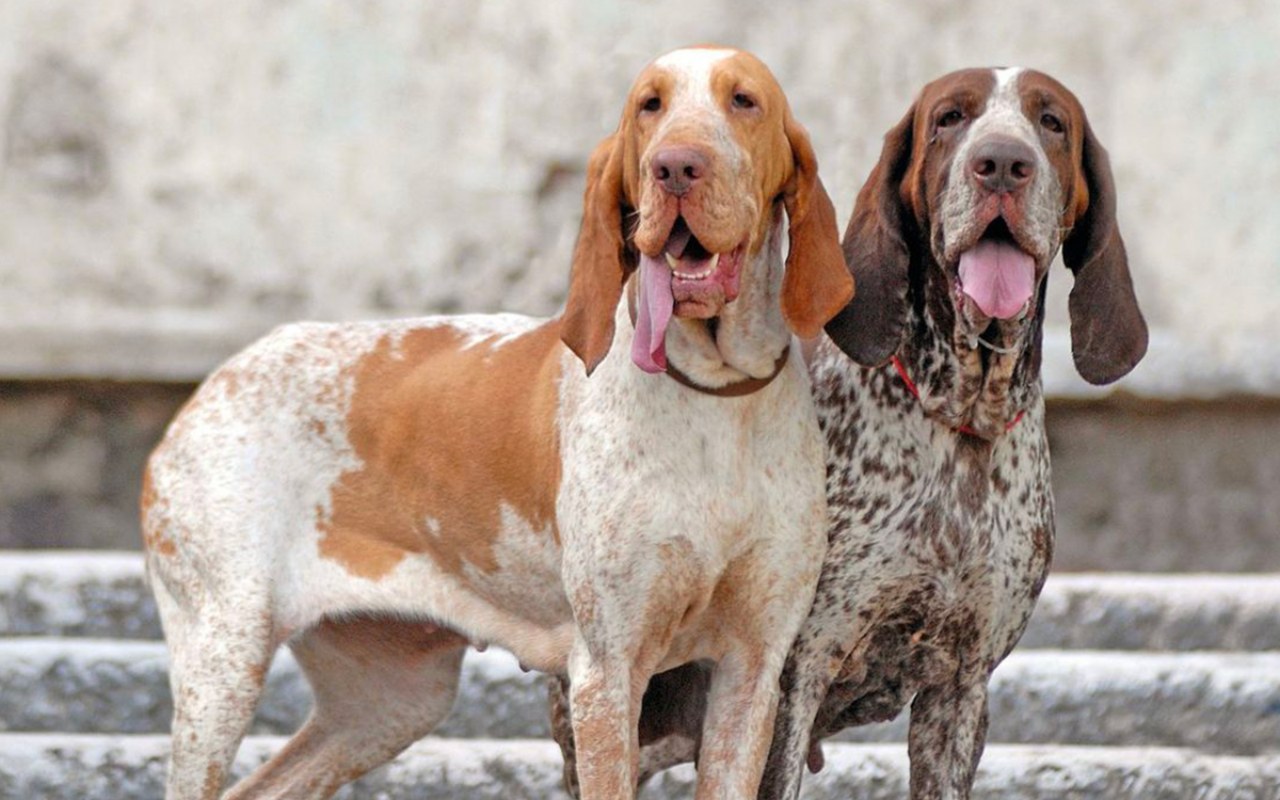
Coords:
pixel 627 607
pixel 742 703
pixel 738 726
pixel 816 658
pixel 604 706
pixel 947 735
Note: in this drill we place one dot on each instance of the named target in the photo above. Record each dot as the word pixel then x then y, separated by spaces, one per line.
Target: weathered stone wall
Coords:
pixel 71 458
pixel 178 176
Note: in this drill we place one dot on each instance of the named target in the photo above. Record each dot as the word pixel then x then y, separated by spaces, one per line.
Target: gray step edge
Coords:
pixel 58 767
pixel 1225 702
pixel 104 594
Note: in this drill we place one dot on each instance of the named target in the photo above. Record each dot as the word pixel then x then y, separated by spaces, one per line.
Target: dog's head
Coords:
pixel 987 175
pixel 685 191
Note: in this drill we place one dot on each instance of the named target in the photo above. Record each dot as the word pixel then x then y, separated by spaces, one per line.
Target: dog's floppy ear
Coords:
pixel 600 262
pixel 816 284
pixel 1108 333
pixel 870 328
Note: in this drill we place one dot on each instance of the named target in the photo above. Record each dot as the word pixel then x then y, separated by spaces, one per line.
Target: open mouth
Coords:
pixel 996 274
pixel 693 266
pixel 684 280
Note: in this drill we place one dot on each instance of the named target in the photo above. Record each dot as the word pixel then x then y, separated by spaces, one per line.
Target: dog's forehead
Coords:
pixel 1018 90
pixel 691 66
pixel 964 84
pixel 1004 109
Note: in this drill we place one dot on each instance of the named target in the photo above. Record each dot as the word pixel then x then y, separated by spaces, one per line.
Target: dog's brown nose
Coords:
pixel 678 168
pixel 1002 163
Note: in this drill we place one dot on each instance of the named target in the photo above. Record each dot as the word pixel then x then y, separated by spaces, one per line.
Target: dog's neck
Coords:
pixel 961 382
pixel 745 340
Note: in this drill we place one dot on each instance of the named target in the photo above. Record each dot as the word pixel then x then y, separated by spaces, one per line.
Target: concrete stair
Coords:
pixel 1125 686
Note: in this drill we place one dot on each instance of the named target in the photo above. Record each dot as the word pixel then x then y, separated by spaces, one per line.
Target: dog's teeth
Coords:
pixel 671 260
pixel 715 259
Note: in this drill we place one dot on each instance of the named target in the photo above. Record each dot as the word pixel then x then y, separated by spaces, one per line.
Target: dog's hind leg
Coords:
pixel 218 664
pixel 380 684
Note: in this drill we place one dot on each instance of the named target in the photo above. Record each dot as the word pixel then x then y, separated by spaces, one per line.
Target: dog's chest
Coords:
pixel 939 543
pixel 682 459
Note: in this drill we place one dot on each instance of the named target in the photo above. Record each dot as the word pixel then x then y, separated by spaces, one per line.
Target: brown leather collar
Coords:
pixel 740 388
pixel 737 388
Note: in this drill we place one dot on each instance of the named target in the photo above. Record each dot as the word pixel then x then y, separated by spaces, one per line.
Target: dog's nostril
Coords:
pixel 1003 164
pixel 679 168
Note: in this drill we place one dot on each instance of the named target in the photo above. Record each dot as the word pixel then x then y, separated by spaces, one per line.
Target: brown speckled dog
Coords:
pixel 941 524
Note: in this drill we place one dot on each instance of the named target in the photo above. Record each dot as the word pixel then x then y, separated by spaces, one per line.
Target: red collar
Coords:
pixel 915 392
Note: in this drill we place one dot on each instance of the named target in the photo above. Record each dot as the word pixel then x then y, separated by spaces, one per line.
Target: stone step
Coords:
pixel 88 767
pixel 1220 702
pixel 97 594
pixel 103 685
pixel 104 595
pixel 1134 611
pixel 1214 701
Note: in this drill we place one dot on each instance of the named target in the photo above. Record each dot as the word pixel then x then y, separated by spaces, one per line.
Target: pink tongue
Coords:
pixel 653 312
pixel 998 276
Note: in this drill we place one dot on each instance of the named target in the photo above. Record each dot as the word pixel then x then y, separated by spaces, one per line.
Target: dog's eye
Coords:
pixel 652 104
pixel 951 118
pixel 1051 123
pixel 743 101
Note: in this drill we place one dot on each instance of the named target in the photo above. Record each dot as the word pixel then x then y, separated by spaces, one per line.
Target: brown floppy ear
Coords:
pixel 1108 333
pixel 600 262
pixel 870 329
pixel 816 284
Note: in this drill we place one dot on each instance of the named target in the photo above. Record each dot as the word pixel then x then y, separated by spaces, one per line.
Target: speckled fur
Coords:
pixel 939 545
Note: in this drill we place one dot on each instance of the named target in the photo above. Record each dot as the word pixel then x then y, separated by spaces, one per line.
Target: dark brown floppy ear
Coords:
pixel 1108 333
pixel 600 262
pixel 869 330
pixel 816 284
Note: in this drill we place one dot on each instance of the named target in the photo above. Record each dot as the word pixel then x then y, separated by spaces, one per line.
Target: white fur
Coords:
pixel 692 102
pixel 692 96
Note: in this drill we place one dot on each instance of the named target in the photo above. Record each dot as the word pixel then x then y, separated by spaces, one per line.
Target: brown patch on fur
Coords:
pixel 597 724
pixel 214 777
pixel 449 435
pixel 154 536
pixel 228 380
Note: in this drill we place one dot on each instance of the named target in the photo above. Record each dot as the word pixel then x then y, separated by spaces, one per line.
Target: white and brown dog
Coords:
pixel 937 461
pixel 377 495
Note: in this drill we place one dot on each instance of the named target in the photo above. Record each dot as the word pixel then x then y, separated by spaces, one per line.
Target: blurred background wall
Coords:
pixel 177 177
